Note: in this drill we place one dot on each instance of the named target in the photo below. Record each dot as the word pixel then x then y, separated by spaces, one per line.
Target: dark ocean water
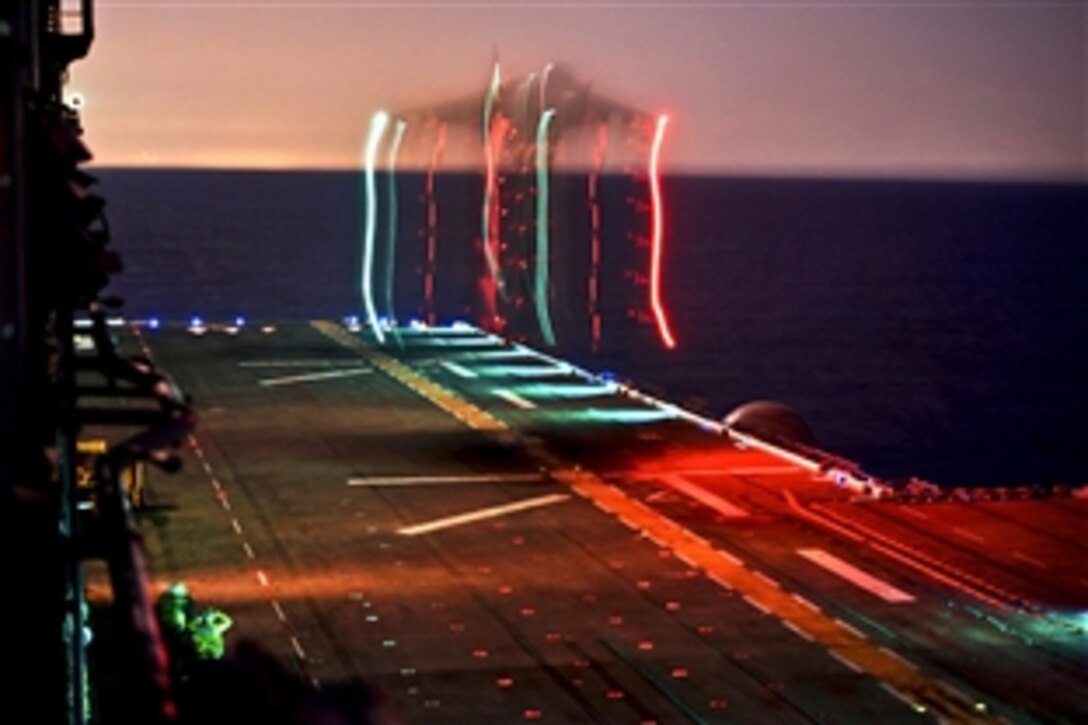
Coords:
pixel 922 328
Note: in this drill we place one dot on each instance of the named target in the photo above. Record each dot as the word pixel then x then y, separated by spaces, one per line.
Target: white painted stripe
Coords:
pixel 911 511
pixel 249 550
pixel 897 694
pixel 262 578
pixel 279 611
pixel 756 604
pixel 297 646
pixel 843 660
pixel 446 480
pixel 300 363
pixel 805 602
pixel 237 526
pixel 482 514
pixel 767 580
pixel 458 370
pixel 311 377
pixel 856 576
pixel 700 494
pixel 851 629
pixel 730 558
pixel 898 658
pixel 797 630
pixel 512 397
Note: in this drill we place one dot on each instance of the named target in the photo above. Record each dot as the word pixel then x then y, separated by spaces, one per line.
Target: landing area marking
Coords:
pixel 483 514
pixel 446 480
pixel 700 494
pixel 856 576
pixel 312 377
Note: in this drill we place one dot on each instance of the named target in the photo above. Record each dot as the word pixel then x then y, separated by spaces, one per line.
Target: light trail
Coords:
pixel 543 314
pixel 594 282
pixel 657 236
pixel 378 123
pixel 430 268
pixel 489 218
pixel 391 239
pixel 544 84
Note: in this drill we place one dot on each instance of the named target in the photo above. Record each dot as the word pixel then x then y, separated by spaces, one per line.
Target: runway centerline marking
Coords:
pixel 447 480
pixel 856 576
pixel 700 494
pixel 514 399
pixel 491 512
pixel 311 377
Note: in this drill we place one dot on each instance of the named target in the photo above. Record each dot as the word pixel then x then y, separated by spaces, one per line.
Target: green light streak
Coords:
pixel 629 416
pixel 378 122
pixel 543 314
pixel 521 371
pixel 391 240
pixel 563 391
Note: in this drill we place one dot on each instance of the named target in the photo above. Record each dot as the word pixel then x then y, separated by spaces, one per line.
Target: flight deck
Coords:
pixel 488 534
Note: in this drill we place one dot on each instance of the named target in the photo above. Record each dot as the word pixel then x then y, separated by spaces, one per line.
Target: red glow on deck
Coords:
pixel 657 236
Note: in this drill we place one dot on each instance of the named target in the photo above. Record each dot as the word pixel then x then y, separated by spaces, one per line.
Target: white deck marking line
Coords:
pixel 856 576
pixel 851 629
pixel 969 534
pixel 482 514
pixel 459 370
pixel 512 397
pixel 797 630
pixel 898 657
pixel 911 511
pixel 301 363
pixel 805 602
pixel 311 377
pixel 279 611
pixel 756 604
pixel 1029 559
pixel 704 497
pixel 447 480
pixel 849 664
pixel 897 694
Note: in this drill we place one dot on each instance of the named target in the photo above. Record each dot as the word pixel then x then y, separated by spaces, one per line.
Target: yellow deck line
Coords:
pixel 726 570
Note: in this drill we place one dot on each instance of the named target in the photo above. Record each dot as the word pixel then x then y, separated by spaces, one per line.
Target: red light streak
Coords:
pixel 595 236
pixel 657 236
pixel 431 267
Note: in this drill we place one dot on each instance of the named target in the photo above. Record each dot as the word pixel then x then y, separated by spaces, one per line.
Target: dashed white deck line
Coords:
pixel 844 661
pixel 446 480
pixel 262 578
pixel 897 694
pixel 729 557
pixel 898 658
pixel 797 630
pixel 314 377
pixel 301 363
pixel 766 579
pixel 700 494
pixel 1029 560
pixel 911 511
pixel 969 535
pixel 236 525
pixel 755 603
pixel 279 611
pixel 250 554
pixel 297 647
pixel 459 370
pixel 805 602
pixel 851 629
pixel 514 399
pixel 483 514
pixel 856 576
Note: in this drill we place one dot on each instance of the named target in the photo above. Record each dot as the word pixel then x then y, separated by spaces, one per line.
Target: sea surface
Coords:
pixel 931 329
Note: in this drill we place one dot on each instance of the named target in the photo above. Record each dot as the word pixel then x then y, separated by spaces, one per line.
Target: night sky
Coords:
pixel 992 90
